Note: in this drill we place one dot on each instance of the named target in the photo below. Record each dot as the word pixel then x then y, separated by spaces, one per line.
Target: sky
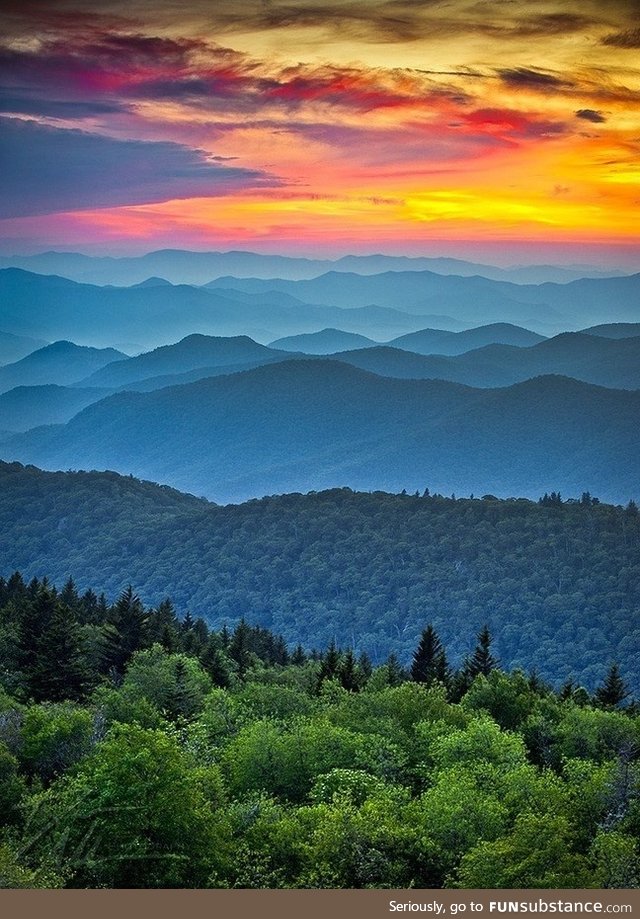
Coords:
pixel 502 130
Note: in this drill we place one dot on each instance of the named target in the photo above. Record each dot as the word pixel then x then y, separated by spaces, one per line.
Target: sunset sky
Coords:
pixel 501 130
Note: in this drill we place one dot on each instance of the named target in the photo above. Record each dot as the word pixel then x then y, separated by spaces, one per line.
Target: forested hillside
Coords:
pixel 140 751
pixel 312 424
pixel 557 582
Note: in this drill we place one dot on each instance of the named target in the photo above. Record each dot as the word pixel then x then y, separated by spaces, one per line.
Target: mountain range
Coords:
pixel 26 407
pixel 308 424
pixel 61 362
pixel 553 581
pixel 606 362
pixel 474 299
pixel 184 267
pixel 15 347
pixel 54 308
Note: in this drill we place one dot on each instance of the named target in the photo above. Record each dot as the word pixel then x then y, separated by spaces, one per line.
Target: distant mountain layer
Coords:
pixel 29 406
pixel 605 362
pixel 61 362
pixel 366 569
pixel 184 267
pixel 301 425
pixel 592 359
pixel 53 307
pixel 381 307
pixel 193 352
pixel 327 341
pixel 615 330
pixel 435 341
pixel 15 347
pixel 588 300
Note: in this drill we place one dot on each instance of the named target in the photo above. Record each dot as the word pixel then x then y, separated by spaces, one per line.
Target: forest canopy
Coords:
pixel 557 581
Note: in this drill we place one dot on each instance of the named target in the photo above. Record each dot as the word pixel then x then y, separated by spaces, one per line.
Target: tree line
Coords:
pixel 140 749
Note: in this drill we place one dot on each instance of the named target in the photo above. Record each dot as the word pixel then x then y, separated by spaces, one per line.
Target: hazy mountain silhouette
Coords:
pixel 191 353
pixel 604 362
pixel 61 362
pixel 615 330
pixel 327 341
pixel 185 267
pixel 301 425
pixel 27 407
pixel 475 298
pixel 15 347
pixel 435 341
pixel 57 308
pixel 154 282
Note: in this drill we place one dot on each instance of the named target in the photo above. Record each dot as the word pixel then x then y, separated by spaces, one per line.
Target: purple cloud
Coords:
pixel 46 170
pixel 589 114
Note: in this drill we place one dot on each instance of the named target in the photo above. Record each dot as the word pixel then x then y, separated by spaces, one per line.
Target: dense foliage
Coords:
pixel 557 582
pixel 139 750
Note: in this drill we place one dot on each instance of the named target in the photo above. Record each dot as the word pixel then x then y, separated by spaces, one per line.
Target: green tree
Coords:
pixel 613 690
pixel 175 684
pixel 429 661
pixel 539 853
pixel 482 661
pixel 134 814
pixel 60 670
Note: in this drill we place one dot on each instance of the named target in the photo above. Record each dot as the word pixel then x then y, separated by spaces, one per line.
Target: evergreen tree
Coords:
pixel 69 595
pixel 239 648
pixel 429 662
pixel 482 660
pixel 129 633
pixel 567 690
pixel 280 651
pixel 347 672
pixel 613 690
pixel 216 662
pixel 396 674
pixel 298 658
pixel 365 667
pixel 182 701
pixel 330 664
pixel 60 671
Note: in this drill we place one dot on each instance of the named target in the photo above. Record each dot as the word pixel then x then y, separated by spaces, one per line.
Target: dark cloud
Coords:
pixel 541 80
pixel 510 124
pixel 54 108
pixel 393 21
pixel 630 38
pixel 551 24
pixel 589 114
pixel 375 21
pixel 46 170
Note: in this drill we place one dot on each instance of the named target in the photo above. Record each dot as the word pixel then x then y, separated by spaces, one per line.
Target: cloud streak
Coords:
pixel 47 170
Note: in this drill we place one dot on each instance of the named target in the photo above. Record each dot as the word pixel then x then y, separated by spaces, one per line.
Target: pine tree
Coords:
pixel 429 662
pixel 239 648
pixel 298 658
pixel 613 690
pixel 330 664
pixel 130 623
pixel 61 670
pixel 396 674
pixel 347 672
pixel 182 701
pixel 164 626
pixel 365 667
pixel 482 660
pixel 567 690
pixel 69 595
pixel 216 662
